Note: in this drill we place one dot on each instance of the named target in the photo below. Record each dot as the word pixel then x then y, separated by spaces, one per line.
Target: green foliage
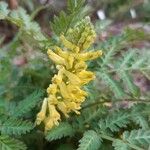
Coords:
pixel 113 84
pixel 65 20
pixel 116 71
pixel 114 121
pixel 137 137
pixel 63 130
pixel 7 143
pixel 21 19
pixel 3 10
pixel 115 114
pixel 141 121
pixel 90 140
pixel 16 127
pixel 27 104
pixel 120 145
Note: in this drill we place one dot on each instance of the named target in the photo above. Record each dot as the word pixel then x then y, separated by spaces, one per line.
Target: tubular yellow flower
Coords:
pixel 72 106
pixel 42 114
pixel 52 89
pixel 64 90
pixel 89 55
pixel 86 76
pixel 54 115
pixel 52 99
pixel 80 65
pixel 56 58
pixel 76 93
pixel 48 123
pixel 57 79
pixel 63 108
pixel 68 44
pixel 74 79
pixel 65 93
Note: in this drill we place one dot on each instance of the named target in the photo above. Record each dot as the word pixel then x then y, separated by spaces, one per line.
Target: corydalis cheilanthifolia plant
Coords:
pixel 65 93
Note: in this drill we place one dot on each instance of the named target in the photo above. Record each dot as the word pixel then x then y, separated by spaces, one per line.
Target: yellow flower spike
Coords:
pixel 55 58
pixel 68 44
pixel 42 114
pixel 65 93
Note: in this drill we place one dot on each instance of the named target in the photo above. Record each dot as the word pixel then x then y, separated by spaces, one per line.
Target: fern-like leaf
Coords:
pixel 16 127
pixel 115 121
pixel 120 145
pixel 3 10
pixel 128 82
pixel 93 113
pixel 64 129
pixel 110 48
pixel 138 137
pixel 20 18
pixel 66 20
pixel 90 141
pixel 7 143
pixel 113 84
pixel 141 121
pixel 28 103
pixel 126 60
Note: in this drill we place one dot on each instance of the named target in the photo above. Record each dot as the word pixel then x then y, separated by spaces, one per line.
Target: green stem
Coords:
pixel 35 13
pixel 117 100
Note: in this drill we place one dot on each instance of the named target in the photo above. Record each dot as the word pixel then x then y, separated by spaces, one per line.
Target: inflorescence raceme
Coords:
pixel 65 93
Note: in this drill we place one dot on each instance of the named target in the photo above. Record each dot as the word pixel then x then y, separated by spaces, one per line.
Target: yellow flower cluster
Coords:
pixel 65 93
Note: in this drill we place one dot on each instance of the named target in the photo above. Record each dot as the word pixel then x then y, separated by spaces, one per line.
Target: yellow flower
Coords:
pixel 86 76
pixel 69 59
pixel 88 55
pixel 52 89
pixel 42 114
pixel 52 99
pixel 76 93
pixel 54 114
pixel 57 79
pixel 48 123
pixel 79 66
pixel 63 108
pixel 53 118
pixel 73 79
pixel 68 44
pixel 72 106
pixel 64 91
pixel 87 43
pixel 55 58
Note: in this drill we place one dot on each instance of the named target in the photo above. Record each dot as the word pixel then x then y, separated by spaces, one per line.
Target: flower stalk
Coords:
pixel 65 93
